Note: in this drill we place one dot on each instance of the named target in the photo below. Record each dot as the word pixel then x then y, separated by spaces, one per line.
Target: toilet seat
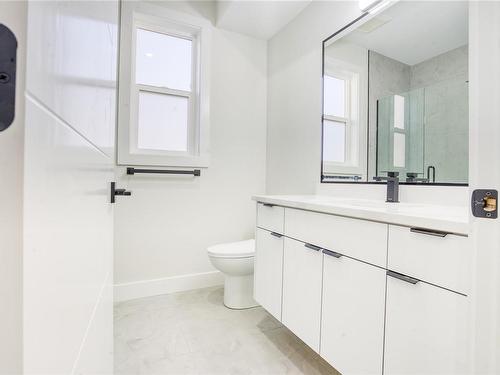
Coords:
pixel 233 250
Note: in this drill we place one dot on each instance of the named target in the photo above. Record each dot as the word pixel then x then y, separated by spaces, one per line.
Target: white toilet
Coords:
pixel 235 261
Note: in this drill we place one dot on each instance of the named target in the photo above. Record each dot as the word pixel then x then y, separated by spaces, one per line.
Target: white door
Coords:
pixel 484 161
pixel 424 330
pixel 302 275
pixel 13 16
pixel 268 275
pixel 352 318
pixel 69 159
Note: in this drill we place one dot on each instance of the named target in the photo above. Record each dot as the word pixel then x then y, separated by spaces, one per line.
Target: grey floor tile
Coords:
pixel 193 333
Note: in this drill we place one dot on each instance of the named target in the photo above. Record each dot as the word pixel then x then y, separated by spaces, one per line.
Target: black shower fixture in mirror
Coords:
pixel 395 96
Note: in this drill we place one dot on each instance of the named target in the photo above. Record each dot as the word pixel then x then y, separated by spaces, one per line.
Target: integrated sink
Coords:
pixel 366 203
pixel 379 204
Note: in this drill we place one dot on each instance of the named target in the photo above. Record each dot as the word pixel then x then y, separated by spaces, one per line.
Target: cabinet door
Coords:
pixel 425 330
pixel 352 319
pixel 442 259
pixel 268 274
pixel 302 265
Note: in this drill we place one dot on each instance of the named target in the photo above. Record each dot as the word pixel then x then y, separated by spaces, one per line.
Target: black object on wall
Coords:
pixel 484 203
pixel 132 170
pixel 8 49
pixel 115 192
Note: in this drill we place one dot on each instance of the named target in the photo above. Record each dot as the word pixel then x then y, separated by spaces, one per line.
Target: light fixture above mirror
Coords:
pixel 366 5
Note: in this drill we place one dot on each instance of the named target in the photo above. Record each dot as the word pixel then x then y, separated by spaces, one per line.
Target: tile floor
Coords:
pixel 193 333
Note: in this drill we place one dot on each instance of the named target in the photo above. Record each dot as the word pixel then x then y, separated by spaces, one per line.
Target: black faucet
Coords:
pixel 392 186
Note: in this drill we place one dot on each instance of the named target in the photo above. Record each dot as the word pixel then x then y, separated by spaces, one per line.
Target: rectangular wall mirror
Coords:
pixel 395 96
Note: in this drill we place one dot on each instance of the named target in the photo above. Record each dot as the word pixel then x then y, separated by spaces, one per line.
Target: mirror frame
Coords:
pixel 335 36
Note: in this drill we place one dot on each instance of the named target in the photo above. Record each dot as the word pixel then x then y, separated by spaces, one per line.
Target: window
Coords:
pixel 163 109
pixel 335 120
pixel 164 89
pixel 399 136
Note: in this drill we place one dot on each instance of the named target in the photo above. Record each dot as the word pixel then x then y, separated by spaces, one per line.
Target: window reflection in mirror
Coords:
pixel 395 96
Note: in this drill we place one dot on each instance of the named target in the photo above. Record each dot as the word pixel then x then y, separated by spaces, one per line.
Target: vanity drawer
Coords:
pixel 435 257
pixel 359 239
pixel 270 217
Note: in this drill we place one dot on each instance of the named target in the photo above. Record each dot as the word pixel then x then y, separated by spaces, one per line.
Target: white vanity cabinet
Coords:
pixel 268 276
pixel 425 330
pixel 302 277
pixel 352 319
pixel 371 297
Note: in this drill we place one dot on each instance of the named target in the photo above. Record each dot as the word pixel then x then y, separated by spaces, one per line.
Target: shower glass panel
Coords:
pixel 425 127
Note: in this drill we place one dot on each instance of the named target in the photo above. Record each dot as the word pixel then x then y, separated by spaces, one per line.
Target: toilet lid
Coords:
pixel 240 249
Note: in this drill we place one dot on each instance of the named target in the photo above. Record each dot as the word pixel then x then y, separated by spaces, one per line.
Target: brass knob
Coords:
pixel 490 204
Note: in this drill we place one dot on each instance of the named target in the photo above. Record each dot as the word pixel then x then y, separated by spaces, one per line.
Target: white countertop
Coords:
pixel 453 219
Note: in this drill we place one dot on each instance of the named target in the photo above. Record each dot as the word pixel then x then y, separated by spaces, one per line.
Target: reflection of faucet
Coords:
pixel 392 186
pixel 433 173
pixel 412 177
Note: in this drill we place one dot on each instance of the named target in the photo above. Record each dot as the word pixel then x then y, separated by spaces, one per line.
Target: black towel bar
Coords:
pixel 194 172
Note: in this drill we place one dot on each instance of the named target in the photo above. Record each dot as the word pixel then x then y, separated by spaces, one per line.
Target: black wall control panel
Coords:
pixel 8 48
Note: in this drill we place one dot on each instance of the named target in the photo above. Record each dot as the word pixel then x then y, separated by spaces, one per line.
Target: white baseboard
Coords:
pixel 148 288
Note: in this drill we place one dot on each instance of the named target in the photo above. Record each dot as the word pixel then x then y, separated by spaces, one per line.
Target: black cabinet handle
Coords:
pixel 331 253
pixel 312 247
pixel 268 205
pixel 277 235
pixel 402 277
pixel 429 232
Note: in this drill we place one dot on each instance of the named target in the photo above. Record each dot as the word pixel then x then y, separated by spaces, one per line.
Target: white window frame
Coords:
pixel 150 17
pixel 355 120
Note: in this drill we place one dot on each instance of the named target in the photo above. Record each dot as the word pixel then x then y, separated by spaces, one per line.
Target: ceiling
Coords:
pixel 412 32
pixel 259 19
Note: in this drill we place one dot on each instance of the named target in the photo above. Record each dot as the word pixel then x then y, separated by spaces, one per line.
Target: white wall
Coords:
pixel 294 109
pixel 162 230
pixel 294 96
pixel 13 15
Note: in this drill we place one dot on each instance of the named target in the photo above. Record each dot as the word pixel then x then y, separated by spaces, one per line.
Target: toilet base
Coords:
pixel 238 292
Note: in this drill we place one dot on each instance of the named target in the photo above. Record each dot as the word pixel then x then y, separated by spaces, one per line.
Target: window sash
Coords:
pixel 346 135
pixel 347 93
pixel 136 88
pixel 147 26
pixel 134 127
